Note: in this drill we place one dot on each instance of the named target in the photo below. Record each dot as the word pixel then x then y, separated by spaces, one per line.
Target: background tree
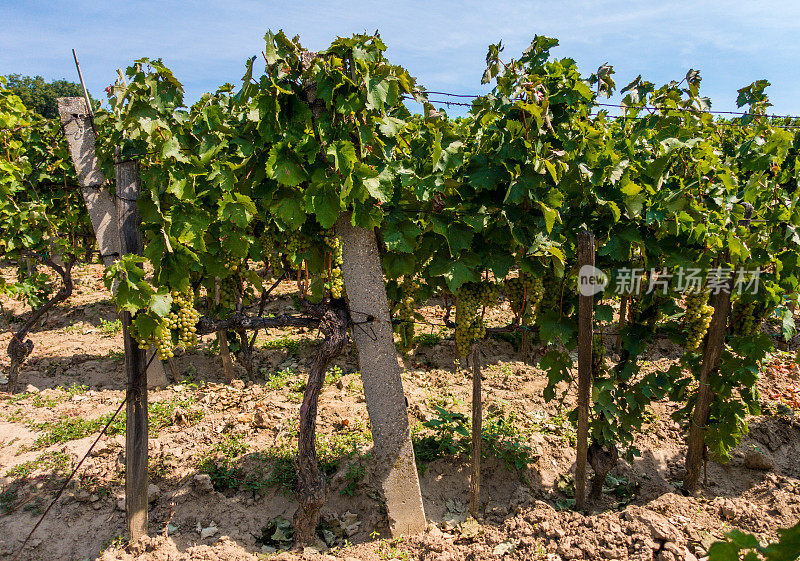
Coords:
pixel 41 96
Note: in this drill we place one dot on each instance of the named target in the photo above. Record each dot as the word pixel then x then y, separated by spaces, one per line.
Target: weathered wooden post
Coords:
pixel 128 189
pixel 100 204
pixel 586 280
pixel 381 375
pixel 80 136
pixel 477 433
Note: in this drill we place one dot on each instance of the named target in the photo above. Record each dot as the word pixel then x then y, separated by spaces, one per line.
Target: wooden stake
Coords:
pixel 477 430
pixel 585 313
pixel 136 425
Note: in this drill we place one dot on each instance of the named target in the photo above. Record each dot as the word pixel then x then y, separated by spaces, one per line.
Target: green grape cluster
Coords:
pixel 698 318
pixel 524 294
pixel 227 293
pixel 180 321
pixel 270 241
pixel 746 317
pixel 405 313
pixel 551 292
pixel 469 325
pixel 295 242
pixel 334 281
pixel 598 356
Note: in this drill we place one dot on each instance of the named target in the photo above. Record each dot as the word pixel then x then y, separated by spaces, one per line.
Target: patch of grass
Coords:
pixel 282 343
pixel 66 429
pixel 280 380
pixel 75 389
pixel 116 356
pixel 58 462
pixel 109 328
pixel 558 425
pixel 74 428
pixel 117 542
pixel 428 339
pixel 10 496
pixel 42 401
pixel 74 329
pixel 230 467
pixel 388 549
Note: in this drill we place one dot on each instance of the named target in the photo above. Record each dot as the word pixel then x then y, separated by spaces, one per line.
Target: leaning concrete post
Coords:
pixel 381 374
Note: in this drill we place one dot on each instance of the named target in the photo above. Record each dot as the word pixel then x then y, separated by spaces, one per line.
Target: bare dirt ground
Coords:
pixel 221 456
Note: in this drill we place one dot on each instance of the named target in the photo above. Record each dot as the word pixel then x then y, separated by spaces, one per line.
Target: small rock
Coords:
pixel 179 417
pixel 756 459
pixel 82 496
pixel 153 492
pixel 208 532
pixel 202 484
pixel 101 449
pixel 30 388
pixel 260 419
pixel 94 498
pixel 120 505
pixel 237 384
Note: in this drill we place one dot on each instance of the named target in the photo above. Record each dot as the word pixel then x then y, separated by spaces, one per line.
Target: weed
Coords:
pixel 74 329
pixel 10 495
pixel 389 550
pixel 355 473
pixel 558 425
pixel 42 401
pixel 428 339
pixel 117 542
pixel 116 356
pixel 450 435
pixel 219 463
pixel 75 389
pixel 333 374
pixel 109 328
pixel 279 380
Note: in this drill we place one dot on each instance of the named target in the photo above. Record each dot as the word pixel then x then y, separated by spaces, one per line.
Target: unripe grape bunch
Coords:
pixel 469 324
pixel 334 281
pixel 405 313
pixel 179 324
pixel 524 294
pixel 697 319
pixel 746 317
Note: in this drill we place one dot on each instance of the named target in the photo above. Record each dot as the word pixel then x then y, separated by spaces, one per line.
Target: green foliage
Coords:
pixel 741 545
pixel 41 209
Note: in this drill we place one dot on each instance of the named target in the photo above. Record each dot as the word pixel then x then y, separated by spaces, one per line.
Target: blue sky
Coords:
pixel 442 43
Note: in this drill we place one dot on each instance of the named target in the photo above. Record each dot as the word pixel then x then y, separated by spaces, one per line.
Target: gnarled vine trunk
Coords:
pixel 312 485
pixel 19 348
pixel 602 460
